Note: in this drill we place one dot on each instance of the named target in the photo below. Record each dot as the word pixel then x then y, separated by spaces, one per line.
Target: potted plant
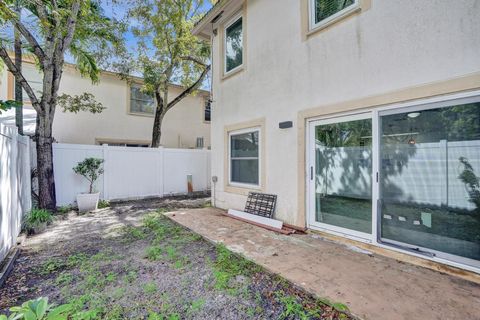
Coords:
pixel 90 169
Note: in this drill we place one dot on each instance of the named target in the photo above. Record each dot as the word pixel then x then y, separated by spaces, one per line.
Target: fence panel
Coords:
pixel 15 196
pixel 130 172
pixel 67 183
pixel 180 163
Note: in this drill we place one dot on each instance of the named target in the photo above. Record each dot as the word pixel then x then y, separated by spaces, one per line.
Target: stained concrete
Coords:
pixel 373 286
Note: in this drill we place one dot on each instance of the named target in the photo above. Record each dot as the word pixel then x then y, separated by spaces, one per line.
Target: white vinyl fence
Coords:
pixel 425 173
pixel 130 172
pixel 15 196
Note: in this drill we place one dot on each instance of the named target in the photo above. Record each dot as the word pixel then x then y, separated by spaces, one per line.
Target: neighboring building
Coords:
pixel 363 116
pixel 127 119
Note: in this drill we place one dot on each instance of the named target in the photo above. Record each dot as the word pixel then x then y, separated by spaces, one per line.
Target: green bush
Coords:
pixel 64 209
pixel 39 309
pixel 37 217
pixel 103 204
pixel 90 169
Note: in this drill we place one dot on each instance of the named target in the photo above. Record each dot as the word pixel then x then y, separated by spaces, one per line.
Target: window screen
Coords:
pixel 244 157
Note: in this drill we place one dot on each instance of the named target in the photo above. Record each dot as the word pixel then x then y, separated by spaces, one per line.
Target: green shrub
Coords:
pixel 37 217
pixel 64 209
pixel 153 253
pixel 103 204
pixel 39 309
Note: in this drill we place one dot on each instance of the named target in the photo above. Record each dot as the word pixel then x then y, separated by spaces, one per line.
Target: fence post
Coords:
pixel 28 175
pixel 105 150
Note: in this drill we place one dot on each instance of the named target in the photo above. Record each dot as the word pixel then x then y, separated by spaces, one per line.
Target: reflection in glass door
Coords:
pixel 341 174
pixel 430 180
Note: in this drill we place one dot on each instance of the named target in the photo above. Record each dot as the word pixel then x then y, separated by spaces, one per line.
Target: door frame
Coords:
pixel 374 238
pixel 311 163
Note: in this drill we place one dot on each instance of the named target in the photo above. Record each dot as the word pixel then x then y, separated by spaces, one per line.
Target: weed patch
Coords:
pixel 228 265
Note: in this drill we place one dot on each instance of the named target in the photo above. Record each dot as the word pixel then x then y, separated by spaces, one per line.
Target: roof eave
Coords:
pixel 200 29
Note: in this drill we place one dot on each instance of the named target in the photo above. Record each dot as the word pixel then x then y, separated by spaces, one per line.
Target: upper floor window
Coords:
pixel 141 102
pixel 323 12
pixel 233 44
pixel 207 111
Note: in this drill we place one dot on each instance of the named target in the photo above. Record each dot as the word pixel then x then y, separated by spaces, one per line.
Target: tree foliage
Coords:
pixel 167 52
pixel 83 102
pixel 90 169
pixel 54 29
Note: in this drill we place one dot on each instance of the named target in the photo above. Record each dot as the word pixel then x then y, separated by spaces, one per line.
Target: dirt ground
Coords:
pixel 131 262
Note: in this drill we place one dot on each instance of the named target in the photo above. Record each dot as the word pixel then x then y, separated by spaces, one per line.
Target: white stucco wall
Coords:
pixel 181 126
pixel 391 46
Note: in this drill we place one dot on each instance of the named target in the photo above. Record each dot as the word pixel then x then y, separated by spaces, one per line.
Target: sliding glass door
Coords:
pixel 341 174
pixel 429 180
pixel 418 165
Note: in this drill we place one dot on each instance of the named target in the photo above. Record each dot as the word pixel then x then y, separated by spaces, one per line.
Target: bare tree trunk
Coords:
pixel 157 122
pixel 18 85
pixel 157 127
pixel 46 182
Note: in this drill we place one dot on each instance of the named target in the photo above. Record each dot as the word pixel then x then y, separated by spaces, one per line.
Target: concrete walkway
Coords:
pixel 373 286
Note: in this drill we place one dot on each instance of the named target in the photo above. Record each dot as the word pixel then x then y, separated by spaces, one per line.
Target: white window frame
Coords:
pixel 206 104
pixel 333 18
pixel 226 26
pixel 130 110
pixel 240 184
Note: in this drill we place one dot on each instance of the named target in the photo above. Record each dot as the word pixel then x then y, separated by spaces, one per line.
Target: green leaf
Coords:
pixel 61 312
pixel 30 315
pixel 41 308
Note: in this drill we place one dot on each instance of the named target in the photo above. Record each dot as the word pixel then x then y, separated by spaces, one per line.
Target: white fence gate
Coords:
pixel 130 172
pixel 15 185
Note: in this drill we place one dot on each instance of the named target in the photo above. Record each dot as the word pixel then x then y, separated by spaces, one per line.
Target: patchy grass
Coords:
pixel 158 270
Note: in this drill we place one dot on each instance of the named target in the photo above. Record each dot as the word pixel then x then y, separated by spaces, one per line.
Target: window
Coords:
pixel 206 114
pixel 233 45
pixel 244 157
pixel 324 11
pixel 141 102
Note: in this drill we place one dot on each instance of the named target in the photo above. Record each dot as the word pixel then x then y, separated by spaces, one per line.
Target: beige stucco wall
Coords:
pixel 394 46
pixel 181 126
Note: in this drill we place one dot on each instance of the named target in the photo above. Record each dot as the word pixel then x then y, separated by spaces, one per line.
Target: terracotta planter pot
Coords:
pixel 87 201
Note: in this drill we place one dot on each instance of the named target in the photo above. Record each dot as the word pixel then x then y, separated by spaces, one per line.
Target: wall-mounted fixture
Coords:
pixel 285 124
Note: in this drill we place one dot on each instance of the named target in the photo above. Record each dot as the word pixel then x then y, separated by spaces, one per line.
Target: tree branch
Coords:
pixel 37 50
pixel 189 90
pixel 193 59
pixel 71 24
pixel 21 79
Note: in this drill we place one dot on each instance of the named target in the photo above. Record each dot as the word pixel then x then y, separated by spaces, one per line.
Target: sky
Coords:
pixel 119 11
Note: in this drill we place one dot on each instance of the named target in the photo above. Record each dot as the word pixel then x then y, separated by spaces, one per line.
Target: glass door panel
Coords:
pixel 343 173
pixel 429 180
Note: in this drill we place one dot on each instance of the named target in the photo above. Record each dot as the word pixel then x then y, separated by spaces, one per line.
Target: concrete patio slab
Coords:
pixel 373 286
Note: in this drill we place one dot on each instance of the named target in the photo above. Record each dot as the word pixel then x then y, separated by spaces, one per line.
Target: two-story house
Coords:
pixel 362 116
pixel 127 119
